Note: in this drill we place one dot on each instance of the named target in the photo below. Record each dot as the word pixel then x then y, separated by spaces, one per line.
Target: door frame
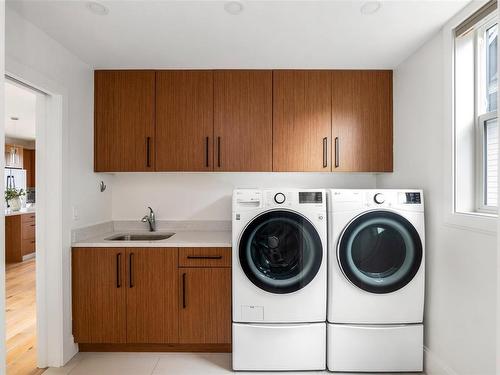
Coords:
pixel 53 270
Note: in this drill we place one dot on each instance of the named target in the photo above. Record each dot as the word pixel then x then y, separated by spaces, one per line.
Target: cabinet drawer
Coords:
pixel 28 218
pixel 28 246
pixel 28 231
pixel 205 257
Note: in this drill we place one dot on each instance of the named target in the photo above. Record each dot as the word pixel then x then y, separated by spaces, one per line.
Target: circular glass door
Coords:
pixel 380 252
pixel 280 251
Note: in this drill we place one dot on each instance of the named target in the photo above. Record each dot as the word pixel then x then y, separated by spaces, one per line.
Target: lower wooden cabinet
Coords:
pixel 205 316
pixel 99 295
pixel 152 302
pixel 137 296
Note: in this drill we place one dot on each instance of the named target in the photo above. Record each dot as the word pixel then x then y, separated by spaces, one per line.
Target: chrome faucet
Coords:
pixel 150 219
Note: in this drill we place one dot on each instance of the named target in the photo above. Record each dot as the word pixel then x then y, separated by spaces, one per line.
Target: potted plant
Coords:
pixel 13 198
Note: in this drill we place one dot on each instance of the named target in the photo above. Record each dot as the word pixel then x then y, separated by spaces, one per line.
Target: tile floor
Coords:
pixel 154 364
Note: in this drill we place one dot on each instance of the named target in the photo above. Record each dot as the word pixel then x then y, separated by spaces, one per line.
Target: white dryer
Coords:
pixel 376 280
pixel 279 279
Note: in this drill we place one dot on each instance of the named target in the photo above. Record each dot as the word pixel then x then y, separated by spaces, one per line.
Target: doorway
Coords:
pixel 21 106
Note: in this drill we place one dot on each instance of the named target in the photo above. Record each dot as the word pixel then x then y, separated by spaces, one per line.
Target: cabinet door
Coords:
pixel 205 305
pixel 243 123
pixel 99 295
pixel 124 121
pixel 184 120
pixel 29 165
pixel 14 156
pixel 152 298
pixel 301 120
pixel 362 120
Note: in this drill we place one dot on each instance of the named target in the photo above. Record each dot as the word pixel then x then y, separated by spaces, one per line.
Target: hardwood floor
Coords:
pixel 21 318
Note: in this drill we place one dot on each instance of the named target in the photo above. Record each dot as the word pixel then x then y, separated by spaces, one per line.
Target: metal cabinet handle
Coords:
pixel 130 270
pixel 206 152
pixel 183 290
pixel 337 152
pixel 118 270
pixel 218 152
pixel 148 152
pixel 325 152
pixel 204 256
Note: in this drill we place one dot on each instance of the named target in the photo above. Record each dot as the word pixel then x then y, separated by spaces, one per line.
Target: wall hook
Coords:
pixel 103 186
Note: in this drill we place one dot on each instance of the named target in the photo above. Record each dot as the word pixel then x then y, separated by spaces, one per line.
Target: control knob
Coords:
pixel 279 198
pixel 379 198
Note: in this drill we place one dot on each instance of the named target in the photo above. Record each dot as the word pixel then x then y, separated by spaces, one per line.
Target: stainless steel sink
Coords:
pixel 140 237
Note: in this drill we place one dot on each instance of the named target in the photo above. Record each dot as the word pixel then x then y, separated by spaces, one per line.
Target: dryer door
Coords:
pixel 380 251
pixel 280 251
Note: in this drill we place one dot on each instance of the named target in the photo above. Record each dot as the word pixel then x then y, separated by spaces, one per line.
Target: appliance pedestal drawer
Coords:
pixel 279 347
pixel 375 348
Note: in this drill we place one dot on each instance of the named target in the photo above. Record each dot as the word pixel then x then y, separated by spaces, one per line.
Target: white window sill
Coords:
pixel 473 221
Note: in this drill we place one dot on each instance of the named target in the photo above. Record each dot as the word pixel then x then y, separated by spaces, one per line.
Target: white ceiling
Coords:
pixel 267 34
pixel 19 102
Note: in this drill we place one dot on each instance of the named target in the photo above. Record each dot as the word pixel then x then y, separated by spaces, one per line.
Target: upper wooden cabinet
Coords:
pixel 29 162
pixel 362 120
pixel 243 123
pixel 124 121
pixel 243 120
pixel 184 120
pixel 302 120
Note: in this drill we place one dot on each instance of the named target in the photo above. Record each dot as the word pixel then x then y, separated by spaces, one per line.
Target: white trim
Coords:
pixel 481 223
pixel 433 365
pixel 2 204
pixel 53 267
pixel 480 164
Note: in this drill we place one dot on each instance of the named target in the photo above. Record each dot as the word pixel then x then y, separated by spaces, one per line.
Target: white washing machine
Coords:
pixel 376 283
pixel 279 279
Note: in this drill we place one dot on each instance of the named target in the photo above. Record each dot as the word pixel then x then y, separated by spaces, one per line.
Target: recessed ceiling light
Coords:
pixel 370 7
pixel 14 118
pixel 233 7
pixel 97 8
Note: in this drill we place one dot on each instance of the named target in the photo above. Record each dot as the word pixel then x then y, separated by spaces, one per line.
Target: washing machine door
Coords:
pixel 280 251
pixel 379 251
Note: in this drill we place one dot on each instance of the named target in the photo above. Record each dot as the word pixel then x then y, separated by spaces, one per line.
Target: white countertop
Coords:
pixel 179 239
pixel 22 211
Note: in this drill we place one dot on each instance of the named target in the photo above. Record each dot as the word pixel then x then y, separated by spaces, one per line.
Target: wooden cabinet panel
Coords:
pixel 301 120
pixel 29 164
pixel 152 297
pixel 124 121
pixel 362 120
pixel 19 236
pixel 28 230
pixel 205 257
pixel 205 298
pixel 28 246
pixel 99 295
pixel 184 120
pixel 243 127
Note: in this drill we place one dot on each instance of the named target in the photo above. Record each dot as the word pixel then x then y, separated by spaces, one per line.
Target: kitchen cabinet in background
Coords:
pixel 14 156
pixel 20 236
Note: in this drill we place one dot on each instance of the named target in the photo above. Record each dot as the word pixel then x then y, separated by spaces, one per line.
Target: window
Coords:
pixel 476 102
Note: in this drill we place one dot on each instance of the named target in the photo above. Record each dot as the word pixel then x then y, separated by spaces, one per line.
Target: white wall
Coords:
pixel 207 196
pixel 460 316
pixel 33 48
pixel 32 55
pixel 2 218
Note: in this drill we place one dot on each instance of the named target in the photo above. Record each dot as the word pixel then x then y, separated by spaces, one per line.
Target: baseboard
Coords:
pixel 207 348
pixel 433 365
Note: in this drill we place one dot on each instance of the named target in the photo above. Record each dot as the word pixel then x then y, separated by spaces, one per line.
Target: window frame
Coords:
pixel 482 117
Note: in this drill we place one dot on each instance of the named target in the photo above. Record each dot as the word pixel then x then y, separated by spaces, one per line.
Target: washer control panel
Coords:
pixel 413 198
